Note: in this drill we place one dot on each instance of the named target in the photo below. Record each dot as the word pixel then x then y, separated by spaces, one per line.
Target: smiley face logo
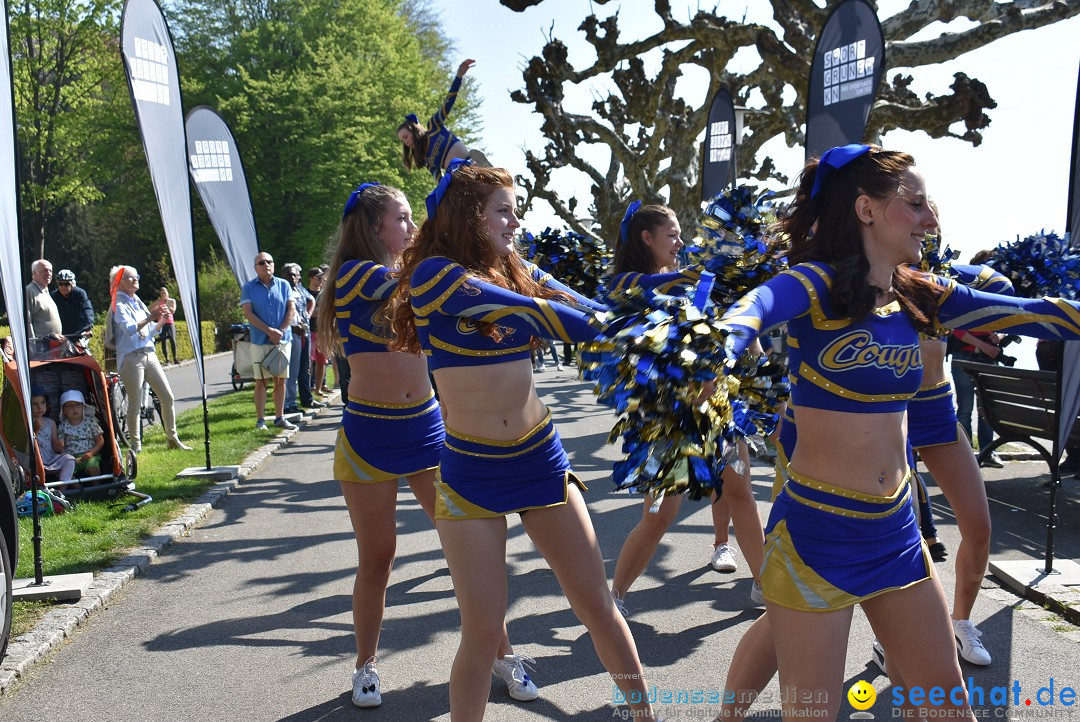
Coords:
pixel 862 695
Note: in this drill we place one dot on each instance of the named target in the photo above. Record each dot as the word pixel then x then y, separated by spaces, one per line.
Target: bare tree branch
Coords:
pixel 652 134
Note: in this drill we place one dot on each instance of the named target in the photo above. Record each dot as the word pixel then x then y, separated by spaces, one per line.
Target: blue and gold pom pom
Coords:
pixel 1039 265
pixel 733 243
pixel 574 259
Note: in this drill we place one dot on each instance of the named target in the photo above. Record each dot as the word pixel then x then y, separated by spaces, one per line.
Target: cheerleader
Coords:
pixel 391 428
pixel 469 302
pixel 649 244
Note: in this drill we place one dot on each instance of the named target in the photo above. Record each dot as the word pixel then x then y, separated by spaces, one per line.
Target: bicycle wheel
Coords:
pixel 118 402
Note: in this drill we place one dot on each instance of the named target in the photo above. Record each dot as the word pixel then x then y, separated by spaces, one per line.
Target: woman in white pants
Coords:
pixel 134 328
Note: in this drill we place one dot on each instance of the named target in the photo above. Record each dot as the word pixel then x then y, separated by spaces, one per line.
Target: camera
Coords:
pixel 1007 340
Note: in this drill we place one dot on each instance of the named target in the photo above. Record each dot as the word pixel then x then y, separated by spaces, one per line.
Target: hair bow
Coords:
pixel 351 203
pixel 624 227
pixel 411 118
pixel 435 197
pixel 834 159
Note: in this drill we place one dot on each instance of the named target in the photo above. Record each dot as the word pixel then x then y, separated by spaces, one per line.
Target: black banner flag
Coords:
pixel 218 175
pixel 719 152
pixel 849 62
pixel 150 62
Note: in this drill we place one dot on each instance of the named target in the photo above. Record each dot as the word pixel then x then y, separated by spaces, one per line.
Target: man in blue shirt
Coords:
pixel 268 305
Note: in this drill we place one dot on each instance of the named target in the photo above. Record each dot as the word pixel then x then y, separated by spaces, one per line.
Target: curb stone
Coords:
pixel 60 623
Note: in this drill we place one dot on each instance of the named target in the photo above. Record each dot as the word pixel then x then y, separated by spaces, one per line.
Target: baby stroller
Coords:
pixel 58 366
pixel 242 368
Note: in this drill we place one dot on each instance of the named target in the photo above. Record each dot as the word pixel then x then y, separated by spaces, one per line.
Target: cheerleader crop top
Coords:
pixel 449 305
pixel 361 290
pixel 874 365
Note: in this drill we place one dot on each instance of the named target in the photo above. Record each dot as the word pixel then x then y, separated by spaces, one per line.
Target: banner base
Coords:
pixel 62 588
pixel 217 473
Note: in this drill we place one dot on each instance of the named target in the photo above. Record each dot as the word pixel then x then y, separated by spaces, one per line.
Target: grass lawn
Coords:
pixel 96 534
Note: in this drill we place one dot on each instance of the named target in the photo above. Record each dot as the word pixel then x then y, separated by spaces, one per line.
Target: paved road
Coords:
pixel 184 380
pixel 249 617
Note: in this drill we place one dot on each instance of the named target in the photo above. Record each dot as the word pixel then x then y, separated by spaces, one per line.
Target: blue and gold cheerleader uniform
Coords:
pixel 482 478
pixel 932 411
pixel 439 138
pixel 378 442
pixel 828 547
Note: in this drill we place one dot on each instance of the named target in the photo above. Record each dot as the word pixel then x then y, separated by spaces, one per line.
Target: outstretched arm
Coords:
pixel 546 280
pixel 440 285
pixel 964 308
pixel 442 113
pixel 776 301
pixel 660 282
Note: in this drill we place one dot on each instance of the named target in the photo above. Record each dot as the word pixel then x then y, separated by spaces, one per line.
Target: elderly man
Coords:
pixel 267 303
pixel 73 305
pixel 40 309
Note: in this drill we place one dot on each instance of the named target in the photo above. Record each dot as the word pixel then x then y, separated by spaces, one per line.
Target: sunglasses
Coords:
pixel 265 262
pixel 63 283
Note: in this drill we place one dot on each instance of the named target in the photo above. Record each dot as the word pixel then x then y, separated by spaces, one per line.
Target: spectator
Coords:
pixel 134 329
pixel 167 308
pixel 299 381
pixel 41 310
pixel 80 433
pixel 268 306
pixel 318 359
pixel 73 305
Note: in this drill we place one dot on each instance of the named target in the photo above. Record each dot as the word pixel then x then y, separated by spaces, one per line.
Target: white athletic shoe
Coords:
pixel 968 643
pixel 723 559
pixel 757 594
pixel 511 669
pixel 620 604
pixel 365 685
pixel 877 656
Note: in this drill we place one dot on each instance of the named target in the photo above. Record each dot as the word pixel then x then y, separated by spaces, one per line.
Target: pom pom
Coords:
pixel 733 245
pixel 658 370
pixel 936 259
pixel 574 259
pixel 1039 265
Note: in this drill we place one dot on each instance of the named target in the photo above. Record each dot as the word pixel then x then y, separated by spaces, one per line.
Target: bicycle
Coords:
pixel 149 407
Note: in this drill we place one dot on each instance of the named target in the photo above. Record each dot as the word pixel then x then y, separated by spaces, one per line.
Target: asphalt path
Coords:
pixel 249 617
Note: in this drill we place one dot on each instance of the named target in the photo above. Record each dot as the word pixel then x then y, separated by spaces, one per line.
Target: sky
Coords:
pixel 1014 184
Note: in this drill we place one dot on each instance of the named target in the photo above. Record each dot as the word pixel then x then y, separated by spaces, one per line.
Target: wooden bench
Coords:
pixel 1019 405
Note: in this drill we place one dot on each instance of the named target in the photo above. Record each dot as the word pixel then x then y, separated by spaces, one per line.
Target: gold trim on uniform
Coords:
pixel 443 345
pixel 813 377
pixel 492 442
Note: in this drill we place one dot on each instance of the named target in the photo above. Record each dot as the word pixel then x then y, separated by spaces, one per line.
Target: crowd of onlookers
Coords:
pixel 279 310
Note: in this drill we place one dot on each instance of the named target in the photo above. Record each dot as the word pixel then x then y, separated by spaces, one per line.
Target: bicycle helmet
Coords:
pixel 66 275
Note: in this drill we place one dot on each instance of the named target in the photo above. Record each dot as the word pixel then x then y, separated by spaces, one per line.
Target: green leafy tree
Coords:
pixel 66 70
pixel 313 92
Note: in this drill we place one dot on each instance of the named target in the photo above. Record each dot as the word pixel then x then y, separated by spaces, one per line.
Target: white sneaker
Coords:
pixel 723 559
pixel 559 367
pixel 620 604
pixel 365 685
pixel 968 643
pixel 877 656
pixel 757 594
pixel 511 669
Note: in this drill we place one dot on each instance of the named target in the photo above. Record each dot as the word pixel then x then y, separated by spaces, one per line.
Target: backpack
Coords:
pixel 109 338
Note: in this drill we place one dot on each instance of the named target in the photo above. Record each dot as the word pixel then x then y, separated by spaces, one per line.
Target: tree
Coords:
pixel 314 93
pixel 66 70
pixel 652 133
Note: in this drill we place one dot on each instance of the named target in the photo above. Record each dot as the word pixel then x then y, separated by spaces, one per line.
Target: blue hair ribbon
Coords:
pixel 351 203
pixel 411 118
pixel 624 227
pixel 835 159
pixel 435 197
